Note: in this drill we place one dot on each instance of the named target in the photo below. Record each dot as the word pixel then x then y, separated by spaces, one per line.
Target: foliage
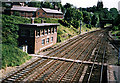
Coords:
pixel 75 23
pixel 73 17
pixel 115 28
pixel 117 20
pixel 10 28
pixel 113 12
pixel 89 26
pixel 64 23
pixel 94 20
pixel 47 20
pixel 34 4
pixel 87 20
pixel 67 5
pixel 16 13
pixel 99 5
pixel 13 56
pixel 64 33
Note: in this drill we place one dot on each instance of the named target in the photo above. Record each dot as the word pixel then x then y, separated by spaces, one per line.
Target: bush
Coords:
pixel 64 23
pixel 115 28
pixel 10 28
pixel 13 56
pixel 76 23
pixel 89 26
pixel 58 38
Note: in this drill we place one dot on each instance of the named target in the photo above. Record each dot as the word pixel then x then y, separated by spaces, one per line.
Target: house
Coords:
pixel 37 37
pixel 50 13
pixel 29 12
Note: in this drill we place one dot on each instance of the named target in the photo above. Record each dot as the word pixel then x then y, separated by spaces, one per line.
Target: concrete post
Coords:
pixel 80 26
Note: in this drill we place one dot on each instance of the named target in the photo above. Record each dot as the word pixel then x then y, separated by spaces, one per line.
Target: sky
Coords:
pixel 89 3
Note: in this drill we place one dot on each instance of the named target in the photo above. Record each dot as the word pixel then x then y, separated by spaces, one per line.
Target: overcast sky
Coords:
pixel 89 3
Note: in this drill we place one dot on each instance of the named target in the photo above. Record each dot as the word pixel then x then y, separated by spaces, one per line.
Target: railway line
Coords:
pixel 78 48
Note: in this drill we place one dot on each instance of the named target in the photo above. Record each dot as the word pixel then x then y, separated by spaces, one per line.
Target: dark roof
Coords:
pixel 42 24
pixel 52 11
pixel 21 8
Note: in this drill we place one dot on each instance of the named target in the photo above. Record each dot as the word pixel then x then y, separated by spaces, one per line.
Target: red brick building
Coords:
pixel 25 11
pixel 38 36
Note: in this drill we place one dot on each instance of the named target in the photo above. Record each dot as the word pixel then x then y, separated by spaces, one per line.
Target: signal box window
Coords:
pixel 47 40
pixel 43 41
pixel 51 39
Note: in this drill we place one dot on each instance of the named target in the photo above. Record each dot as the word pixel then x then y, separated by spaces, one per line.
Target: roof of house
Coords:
pixel 25 8
pixel 51 11
pixel 42 24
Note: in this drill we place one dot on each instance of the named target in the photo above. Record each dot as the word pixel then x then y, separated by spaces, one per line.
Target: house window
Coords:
pixel 42 31
pixel 53 30
pixel 51 39
pixel 38 33
pixel 46 32
pixel 43 41
pixel 31 33
pixel 49 30
pixel 23 33
pixel 47 40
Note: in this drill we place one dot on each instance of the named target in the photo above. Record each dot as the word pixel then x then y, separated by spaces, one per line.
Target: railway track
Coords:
pixel 45 70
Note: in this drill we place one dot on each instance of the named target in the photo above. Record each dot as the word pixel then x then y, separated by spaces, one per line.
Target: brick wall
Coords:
pixel 38 41
pixel 35 43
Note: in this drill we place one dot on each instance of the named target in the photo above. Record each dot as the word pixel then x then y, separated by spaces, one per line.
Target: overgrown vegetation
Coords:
pixel 116 27
pixel 11 54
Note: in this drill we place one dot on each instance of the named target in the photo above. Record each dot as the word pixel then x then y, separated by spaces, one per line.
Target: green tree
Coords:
pixel 34 4
pixel 94 20
pixel 68 5
pixel 117 20
pixel 113 12
pixel 99 5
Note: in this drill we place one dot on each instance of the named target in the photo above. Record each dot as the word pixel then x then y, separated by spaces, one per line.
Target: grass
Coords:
pixel 65 32
pixel 117 34
pixel 13 56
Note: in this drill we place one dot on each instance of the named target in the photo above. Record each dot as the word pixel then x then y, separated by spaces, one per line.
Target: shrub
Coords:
pixel 13 56
pixel 58 38
pixel 64 23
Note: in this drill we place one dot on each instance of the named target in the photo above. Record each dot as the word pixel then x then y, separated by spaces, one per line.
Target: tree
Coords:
pixel 117 20
pixel 113 12
pixel 99 5
pixel 34 4
pixel 94 20
pixel 47 5
pixel 87 20
pixel 68 5
pixel 69 15
pixel 86 17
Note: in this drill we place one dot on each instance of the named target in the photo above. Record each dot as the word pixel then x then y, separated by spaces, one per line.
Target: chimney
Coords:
pixel 32 20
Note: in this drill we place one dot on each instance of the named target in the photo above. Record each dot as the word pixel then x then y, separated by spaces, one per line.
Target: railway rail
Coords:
pixel 77 48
